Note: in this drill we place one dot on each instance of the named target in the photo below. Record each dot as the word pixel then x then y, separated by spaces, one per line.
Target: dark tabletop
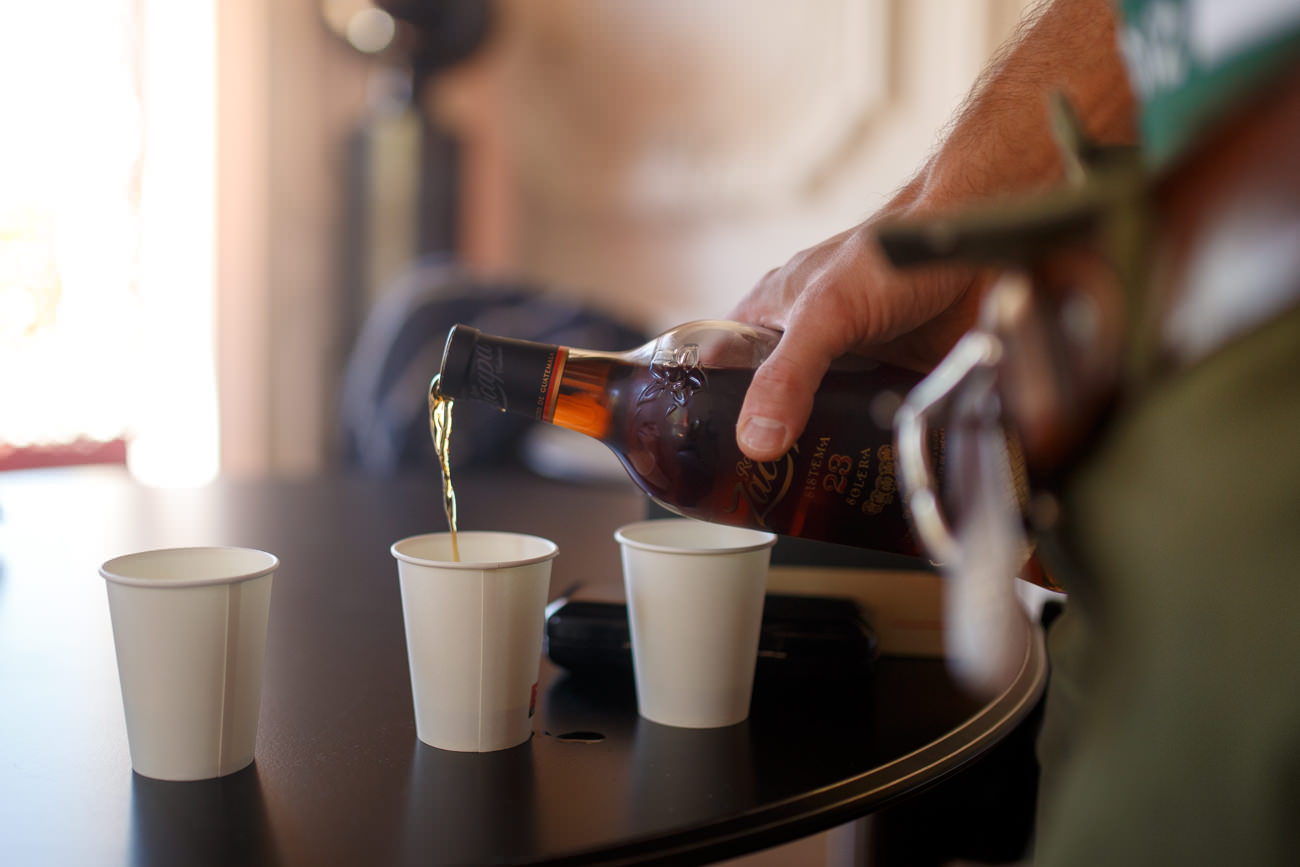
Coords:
pixel 339 776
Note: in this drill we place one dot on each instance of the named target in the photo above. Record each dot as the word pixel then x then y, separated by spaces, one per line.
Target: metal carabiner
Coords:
pixel 985 627
pixel 971 363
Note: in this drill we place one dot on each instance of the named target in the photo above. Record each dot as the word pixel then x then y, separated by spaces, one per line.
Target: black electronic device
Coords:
pixel 804 637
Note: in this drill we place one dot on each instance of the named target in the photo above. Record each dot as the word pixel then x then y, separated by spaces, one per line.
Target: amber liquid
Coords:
pixel 440 430
pixel 673 429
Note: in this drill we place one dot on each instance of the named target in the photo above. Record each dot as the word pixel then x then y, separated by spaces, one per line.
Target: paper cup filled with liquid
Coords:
pixel 474 634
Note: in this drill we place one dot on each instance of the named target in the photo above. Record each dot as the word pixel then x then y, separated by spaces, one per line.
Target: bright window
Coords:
pixel 106 230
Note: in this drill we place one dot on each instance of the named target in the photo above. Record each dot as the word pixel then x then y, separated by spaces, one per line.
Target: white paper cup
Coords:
pixel 695 595
pixel 474 635
pixel 189 626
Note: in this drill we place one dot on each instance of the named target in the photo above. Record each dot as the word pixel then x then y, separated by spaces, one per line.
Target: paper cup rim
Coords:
pixel 475 565
pixel 762 538
pixel 110 569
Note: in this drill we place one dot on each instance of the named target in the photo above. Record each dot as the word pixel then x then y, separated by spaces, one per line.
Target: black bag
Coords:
pixel 384 405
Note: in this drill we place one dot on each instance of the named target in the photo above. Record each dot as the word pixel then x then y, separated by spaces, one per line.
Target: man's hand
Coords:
pixel 839 297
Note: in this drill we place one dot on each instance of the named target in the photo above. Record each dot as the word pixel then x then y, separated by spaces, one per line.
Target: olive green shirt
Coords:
pixel 1172 726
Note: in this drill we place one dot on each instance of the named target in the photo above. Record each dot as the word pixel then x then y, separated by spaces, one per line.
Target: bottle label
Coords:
pixel 762 485
pixel 838 482
pixel 516 375
pixel 549 388
pixel 487 380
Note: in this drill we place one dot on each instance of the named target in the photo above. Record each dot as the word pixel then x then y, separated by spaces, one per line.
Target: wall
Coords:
pixel 288 92
pixel 650 157
pixel 661 156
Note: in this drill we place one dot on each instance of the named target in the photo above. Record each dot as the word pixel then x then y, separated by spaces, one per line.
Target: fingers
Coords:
pixel 773 298
pixel 780 399
pixel 766 304
pixel 810 300
pixel 833 298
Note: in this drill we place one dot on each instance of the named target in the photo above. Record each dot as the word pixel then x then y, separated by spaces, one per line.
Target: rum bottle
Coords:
pixel 668 410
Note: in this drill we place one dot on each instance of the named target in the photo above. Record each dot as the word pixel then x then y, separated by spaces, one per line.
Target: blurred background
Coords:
pixel 207 207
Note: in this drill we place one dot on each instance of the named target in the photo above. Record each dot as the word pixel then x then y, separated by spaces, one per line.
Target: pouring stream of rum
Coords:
pixel 440 428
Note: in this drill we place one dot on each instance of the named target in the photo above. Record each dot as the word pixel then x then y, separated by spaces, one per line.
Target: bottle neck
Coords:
pixel 519 376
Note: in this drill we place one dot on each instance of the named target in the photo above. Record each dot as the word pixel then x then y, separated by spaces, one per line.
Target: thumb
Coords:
pixel 780 398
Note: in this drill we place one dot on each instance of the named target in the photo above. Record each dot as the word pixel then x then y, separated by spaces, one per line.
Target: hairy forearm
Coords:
pixel 1000 142
pixel 842 296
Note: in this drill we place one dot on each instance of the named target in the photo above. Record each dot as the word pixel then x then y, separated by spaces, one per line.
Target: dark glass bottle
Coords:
pixel 668 409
